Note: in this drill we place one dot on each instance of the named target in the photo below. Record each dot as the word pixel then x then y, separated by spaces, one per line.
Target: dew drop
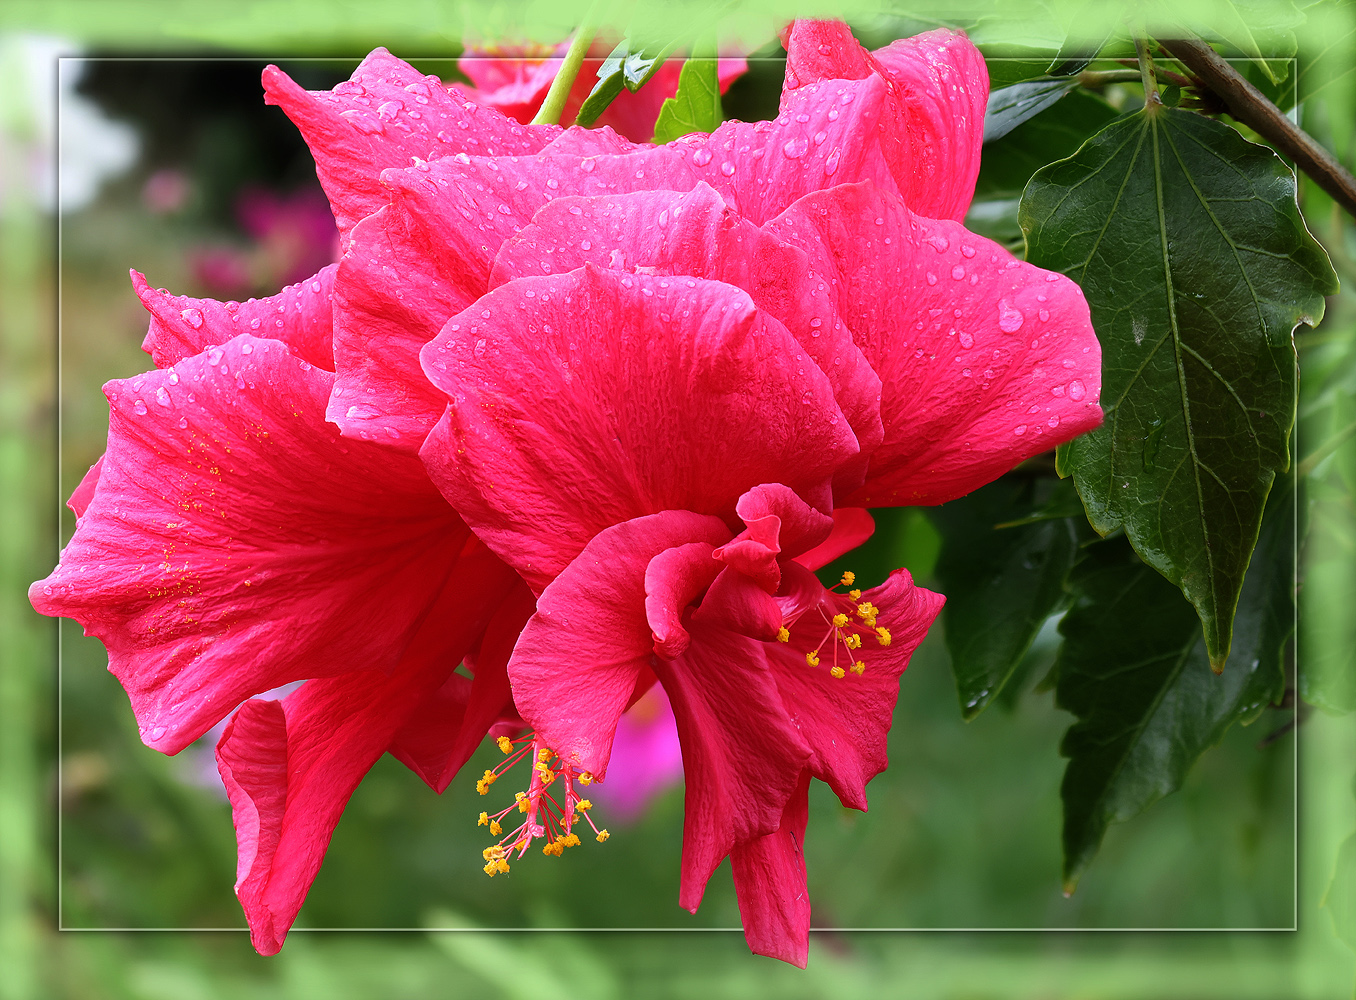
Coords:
pixel 831 163
pixel 193 317
pixel 139 408
pixel 932 278
pixel 162 397
pixel 727 168
pixel 173 377
pixel 1076 390
pixel 820 137
pixel 967 340
pixel 254 325
pixel 587 165
pixel 795 148
pixel 1019 430
pixel 249 348
pixel 1009 319
pixel 958 272
pixel 389 110
pixel 967 251
pixel 1053 421
pixel 214 356
pixel 702 156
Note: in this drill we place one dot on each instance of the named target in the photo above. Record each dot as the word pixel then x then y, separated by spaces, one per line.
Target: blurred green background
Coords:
pixel 963 830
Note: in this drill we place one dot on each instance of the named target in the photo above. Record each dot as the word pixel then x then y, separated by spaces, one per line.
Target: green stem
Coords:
pixel 1146 73
pixel 549 114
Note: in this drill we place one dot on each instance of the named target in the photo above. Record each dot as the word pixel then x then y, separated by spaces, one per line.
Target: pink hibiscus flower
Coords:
pixel 659 383
pixel 514 80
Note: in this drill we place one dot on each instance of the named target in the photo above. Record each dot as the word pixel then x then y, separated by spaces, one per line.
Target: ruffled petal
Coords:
pixel 299 316
pixel 852 526
pixel 696 233
pixel 674 579
pixel 770 885
pixel 742 753
pixel 845 720
pixel 938 86
pixel 447 727
pixel 776 521
pixel 234 543
pixel 384 115
pixel 584 400
pixel 84 493
pixel 290 767
pixel 984 360
pixel 576 667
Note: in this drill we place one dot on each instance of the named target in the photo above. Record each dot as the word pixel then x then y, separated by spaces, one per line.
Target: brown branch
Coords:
pixel 1248 105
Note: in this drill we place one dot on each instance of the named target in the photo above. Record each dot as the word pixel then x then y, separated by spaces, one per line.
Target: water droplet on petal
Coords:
pixel 139 408
pixel 703 156
pixel 162 396
pixel 1053 421
pixel 1076 390
pixel 967 340
pixel 932 278
pixel 249 348
pixel 1009 319
pixel 967 251
pixel 958 272
pixel 795 148
pixel 214 356
pixel 1019 430
pixel 727 168
pixel 193 317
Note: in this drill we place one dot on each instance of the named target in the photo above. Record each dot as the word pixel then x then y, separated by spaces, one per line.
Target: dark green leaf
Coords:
pixel 1188 244
pixel 1261 31
pixel 1001 584
pixel 609 85
pixel 1053 134
pixel 1013 105
pixel 1134 670
pixel 696 105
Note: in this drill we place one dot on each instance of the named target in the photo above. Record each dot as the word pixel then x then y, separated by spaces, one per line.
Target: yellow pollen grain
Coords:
pixel 495 829
pixel 837 671
pixel 544 755
pixel 585 778
pixel 883 635
pixel 602 836
pixel 840 620
pixel 858 668
pixel 783 634
pixel 852 641
pixel 849 578
pixel 505 744
pixel 812 658
pixel 484 820
pixel 583 805
pixel 854 594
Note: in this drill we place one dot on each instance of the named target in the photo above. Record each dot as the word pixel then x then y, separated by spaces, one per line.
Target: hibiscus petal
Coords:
pixel 851 527
pixel 770 884
pixel 674 579
pixel 984 360
pixel 578 661
pixel 234 543
pixel 938 89
pixel 450 724
pixel 583 400
pixel 845 720
pixel 290 767
pixel 299 316
pixel 696 233
pixel 84 493
pixel 742 753
pixel 740 604
pixel 386 113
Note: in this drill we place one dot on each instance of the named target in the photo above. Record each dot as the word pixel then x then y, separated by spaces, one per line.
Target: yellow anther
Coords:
pixel 505 744
pixel 491 868
pixel 602 836
pixel 854 594
pixel 583 805
pixel 569 840
pixel 852 641
pixel 483 787
pixel 858 668
pixel 553 849
pixel 836 671
pixel 523 802
pixel 867 610
pixel 484 820
pixel 783 634
pixel 883 636
pixel 544 755
pixel 849 578
pixel 495 829
pixel 812 658
pixel 492 853
pixel 585 778
pixel 490 778
pixel 840 620
pixel 547 777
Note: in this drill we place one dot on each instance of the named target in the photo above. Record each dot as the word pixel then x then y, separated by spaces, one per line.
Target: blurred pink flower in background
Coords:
pixel 646 758
pixel 514 79
pixel 293 236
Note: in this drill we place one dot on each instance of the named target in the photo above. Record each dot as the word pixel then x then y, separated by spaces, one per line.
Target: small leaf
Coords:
pixel 1188 244
pixel 605 91
pixel 1053 134
pixel 1134 670
pixel 696 105
pixel 1001 584
pixel 1009 107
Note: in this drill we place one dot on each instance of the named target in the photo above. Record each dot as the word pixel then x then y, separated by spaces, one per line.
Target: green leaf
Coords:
pixel 1340 898
pixel 1009 107
pixel 696 105
pixel 1001 584
pixel 1260 30
pixel 611 77
pixel 1053 134
pixel 1134 670
pixel 1189 246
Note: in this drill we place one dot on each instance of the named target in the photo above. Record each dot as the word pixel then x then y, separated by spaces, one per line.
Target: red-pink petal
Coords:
pixel 386 113
pixel 289 767
pixel 447 727
pixel 576 665
pixel 934 110
pixel 84 493
pixel 299 316
pixel 742 754
pixel 739 603
pixel 235 543
pixel 776 521
pixel 583 400
pixel 696 233
pixel 984 360
pixel 845 720
pixel 851 527
pixel 674 579
pixel 770 884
